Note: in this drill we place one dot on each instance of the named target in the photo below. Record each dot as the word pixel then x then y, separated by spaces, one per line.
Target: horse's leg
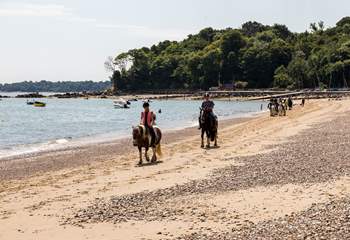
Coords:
pixel 140 152
pixel 146 155
pixel 202 137
pixel 208 141
pixel 216 140
pixel 154 157
pixel 216 134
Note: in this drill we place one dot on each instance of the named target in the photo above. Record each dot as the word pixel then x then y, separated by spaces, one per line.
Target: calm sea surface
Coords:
pixel 65 122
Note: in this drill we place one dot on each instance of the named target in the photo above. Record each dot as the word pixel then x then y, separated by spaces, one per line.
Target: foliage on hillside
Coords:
pixel 47 86
pixel 260 55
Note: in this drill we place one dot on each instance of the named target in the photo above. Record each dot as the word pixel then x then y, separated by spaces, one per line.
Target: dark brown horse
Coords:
pixel 142 139
pixel 209 126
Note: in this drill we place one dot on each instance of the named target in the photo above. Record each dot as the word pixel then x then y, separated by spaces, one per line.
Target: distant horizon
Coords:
pixel 67 40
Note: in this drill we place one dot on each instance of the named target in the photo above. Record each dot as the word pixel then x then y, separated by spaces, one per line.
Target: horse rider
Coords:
pixel 207 108
pixel 147 120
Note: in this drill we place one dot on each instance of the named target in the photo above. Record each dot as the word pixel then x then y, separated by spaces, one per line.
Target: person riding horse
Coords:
pixel 208 122
pixel 147 135
pixel 147 120
pixel 206 108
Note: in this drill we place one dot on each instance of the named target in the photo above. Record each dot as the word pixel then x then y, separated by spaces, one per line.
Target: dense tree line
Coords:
pixel 254 56
pixel 47 86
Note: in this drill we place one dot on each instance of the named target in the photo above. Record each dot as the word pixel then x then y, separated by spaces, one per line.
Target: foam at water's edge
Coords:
pixel 32 148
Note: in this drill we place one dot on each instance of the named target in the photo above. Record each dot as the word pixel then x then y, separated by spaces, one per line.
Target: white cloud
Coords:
pixel 81 19
pixel 148 31
pixel 63 13
pixel 60 12
pixel 30 10
pixel 118 26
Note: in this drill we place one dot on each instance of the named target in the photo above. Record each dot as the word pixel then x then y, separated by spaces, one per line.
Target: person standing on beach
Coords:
pixel 207 107
pixel 147 120
pixel 290 103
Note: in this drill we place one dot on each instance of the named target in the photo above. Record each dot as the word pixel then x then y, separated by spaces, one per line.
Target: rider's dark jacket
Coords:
pixel 208 106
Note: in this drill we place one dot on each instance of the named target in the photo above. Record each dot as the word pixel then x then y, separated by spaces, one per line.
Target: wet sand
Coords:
pixel 20 167
pixel 271 178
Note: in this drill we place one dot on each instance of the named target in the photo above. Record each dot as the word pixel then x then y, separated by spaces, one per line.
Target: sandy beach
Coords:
pixel 271 178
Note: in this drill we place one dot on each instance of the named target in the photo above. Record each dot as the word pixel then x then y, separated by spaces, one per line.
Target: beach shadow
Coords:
pixel 148 164
pixel 211 147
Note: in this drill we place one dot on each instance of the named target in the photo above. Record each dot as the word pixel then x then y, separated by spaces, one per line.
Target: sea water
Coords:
pixel 64 122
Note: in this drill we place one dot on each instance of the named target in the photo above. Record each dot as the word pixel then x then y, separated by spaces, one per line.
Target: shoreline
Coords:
pixel 226 95
pixel 72 156
pixel 65 144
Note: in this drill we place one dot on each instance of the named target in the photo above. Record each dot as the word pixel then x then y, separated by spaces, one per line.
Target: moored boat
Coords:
pixel 121 103
pixel 39 104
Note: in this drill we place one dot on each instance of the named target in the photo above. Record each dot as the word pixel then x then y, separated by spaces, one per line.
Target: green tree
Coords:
pixel 297 70
pixel 281 78
pixel 252 28
pixel 258 54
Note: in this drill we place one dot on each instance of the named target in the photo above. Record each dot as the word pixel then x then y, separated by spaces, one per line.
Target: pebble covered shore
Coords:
pixel 319 154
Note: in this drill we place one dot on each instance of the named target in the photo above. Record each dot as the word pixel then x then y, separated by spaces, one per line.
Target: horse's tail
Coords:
pixel 159 150
pixel 158 146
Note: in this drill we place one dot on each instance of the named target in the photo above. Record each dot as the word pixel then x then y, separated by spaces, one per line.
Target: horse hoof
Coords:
pixel 202 146
pixel 147 159
pixel 154 159
pixel 208 146
pixel 140 163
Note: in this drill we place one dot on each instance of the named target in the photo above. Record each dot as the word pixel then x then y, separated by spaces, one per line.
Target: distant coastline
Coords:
pixel 249 94
pixel 58 87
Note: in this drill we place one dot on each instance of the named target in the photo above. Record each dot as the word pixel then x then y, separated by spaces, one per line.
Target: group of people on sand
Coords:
pixel 279 107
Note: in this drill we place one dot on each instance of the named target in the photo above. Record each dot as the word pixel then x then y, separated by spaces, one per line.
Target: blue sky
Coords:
pixel 62 40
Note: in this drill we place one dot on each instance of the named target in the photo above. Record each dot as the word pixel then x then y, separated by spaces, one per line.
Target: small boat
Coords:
pixel 121 103
pixel 30 102
pixel 39 104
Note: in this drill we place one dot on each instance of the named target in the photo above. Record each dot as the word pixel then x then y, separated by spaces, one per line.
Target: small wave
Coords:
pixel 61 141
pixel 22 150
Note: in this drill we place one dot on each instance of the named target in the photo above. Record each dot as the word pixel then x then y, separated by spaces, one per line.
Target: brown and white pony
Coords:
pixel 142 139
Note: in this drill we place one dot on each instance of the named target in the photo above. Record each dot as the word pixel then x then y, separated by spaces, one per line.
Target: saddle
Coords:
pixel 146 134
pixel 210 117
